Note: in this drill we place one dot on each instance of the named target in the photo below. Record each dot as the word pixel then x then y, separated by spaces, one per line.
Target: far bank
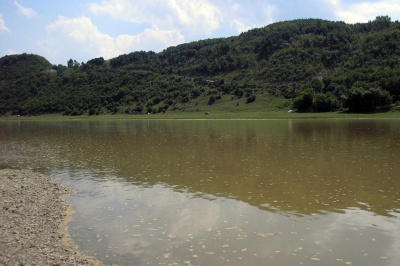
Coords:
pixel 393 114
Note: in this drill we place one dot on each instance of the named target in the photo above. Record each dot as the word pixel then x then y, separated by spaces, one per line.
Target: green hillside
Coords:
pixel 308 65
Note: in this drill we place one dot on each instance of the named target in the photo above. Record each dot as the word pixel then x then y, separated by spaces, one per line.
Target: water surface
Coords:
pixel 223 192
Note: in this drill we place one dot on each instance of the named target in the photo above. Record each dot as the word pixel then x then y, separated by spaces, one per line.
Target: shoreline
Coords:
pixel 33 221
pixel 212 115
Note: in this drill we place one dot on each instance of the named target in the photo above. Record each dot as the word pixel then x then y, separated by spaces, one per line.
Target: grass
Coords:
pixel 215 114
pixel 228 107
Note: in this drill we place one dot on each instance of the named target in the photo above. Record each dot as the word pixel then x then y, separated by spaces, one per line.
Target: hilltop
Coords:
pixel 307 64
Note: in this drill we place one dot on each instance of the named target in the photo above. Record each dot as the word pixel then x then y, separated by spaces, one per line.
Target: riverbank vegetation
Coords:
pixel 308 65
pixel 211 115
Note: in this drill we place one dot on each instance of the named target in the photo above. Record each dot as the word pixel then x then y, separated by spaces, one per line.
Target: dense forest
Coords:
pixel 309 65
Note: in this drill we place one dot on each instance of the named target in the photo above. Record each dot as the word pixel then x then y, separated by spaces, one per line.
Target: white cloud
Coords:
pixel 11 52
pixel 27 12
pixel 196 15
pixel 269 12
pixel 139 12
pixel 334 2
pixel 152 39
pixel 239 26
pixel 241 22
pixel 81 30
pixel 168 23
pixel 235 7
pixel 66 33
pixel 364 11
pixel 193 16
pixel 3 26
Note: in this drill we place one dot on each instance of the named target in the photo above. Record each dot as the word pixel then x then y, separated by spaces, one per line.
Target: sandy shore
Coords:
pixel 33 221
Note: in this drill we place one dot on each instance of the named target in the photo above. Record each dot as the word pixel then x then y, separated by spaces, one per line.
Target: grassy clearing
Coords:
pixel 265 106
pixel 216 114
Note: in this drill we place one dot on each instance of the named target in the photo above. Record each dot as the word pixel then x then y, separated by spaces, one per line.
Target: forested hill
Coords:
pixel 308 64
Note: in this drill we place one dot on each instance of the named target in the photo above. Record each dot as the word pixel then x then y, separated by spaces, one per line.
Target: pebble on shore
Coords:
pixel 33 221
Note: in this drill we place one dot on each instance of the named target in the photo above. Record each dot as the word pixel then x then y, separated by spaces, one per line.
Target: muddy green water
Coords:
pixel 236 192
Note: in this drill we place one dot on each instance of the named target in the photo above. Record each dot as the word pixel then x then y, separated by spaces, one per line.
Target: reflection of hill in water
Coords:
pixel 299 166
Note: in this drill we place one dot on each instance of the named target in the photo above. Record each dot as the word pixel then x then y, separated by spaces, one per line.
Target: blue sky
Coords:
pixel 86 29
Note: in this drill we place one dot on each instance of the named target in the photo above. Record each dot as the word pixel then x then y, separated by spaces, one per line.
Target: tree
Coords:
pixel 70 63
pixel 317 84
pixel 96 61
pixel 360 99
pixel 76 64
pixel 381 22
pixel 324 102
pixel 304 101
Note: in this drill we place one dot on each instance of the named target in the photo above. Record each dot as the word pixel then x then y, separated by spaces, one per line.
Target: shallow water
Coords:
pixel 223 192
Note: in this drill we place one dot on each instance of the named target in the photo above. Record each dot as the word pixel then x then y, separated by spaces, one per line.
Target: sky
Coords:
pixel 82 30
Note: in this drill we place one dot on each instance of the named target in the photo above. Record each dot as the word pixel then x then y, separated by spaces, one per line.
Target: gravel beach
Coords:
pixel 33 221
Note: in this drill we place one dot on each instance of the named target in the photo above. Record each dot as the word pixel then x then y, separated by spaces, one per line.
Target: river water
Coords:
pixel 223 192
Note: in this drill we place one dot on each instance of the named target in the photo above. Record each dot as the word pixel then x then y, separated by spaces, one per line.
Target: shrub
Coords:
pixel 251 99
pixel 324 102
pixel 304 101
pixel 92 111
pixel 211 100
pixel 361 99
